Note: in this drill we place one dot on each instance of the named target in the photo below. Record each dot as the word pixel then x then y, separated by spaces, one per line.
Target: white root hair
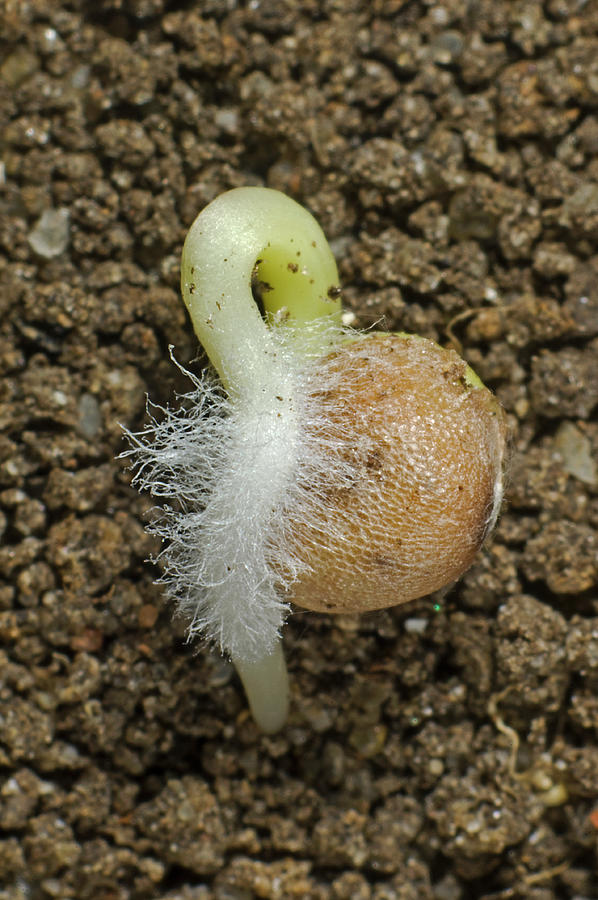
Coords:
pixel 229 470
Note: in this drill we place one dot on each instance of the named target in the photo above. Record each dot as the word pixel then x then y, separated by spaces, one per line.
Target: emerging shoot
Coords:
pixel 341 472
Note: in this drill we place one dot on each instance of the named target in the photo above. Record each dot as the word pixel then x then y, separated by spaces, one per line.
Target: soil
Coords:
pixel 442 750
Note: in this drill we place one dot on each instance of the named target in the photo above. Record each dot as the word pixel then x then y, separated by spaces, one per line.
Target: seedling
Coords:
pixel 337 471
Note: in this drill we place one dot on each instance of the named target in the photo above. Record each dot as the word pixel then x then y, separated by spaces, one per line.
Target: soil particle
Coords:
pixel 582 298
pixel 477 822
pixel 26 732
pixel 88 552
pixel 51 846
pixel 186 807
pixel 565 556
pixel 531 657
pixel 565 382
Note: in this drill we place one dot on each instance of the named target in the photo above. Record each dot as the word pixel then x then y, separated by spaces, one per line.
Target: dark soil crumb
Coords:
pixel 447 750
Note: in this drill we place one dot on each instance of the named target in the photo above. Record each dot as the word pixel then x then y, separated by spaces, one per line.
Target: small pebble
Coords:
pixel 50 236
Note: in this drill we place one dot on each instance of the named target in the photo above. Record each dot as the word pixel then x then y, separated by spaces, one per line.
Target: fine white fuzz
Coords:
pixel 231 468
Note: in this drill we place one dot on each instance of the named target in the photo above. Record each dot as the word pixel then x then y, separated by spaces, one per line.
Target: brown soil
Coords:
pixel 443 750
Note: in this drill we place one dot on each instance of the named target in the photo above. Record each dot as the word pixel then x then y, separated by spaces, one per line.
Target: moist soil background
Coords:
pixel 446 749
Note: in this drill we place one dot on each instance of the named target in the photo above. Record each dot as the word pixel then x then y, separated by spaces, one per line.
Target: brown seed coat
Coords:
pixel 427 451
